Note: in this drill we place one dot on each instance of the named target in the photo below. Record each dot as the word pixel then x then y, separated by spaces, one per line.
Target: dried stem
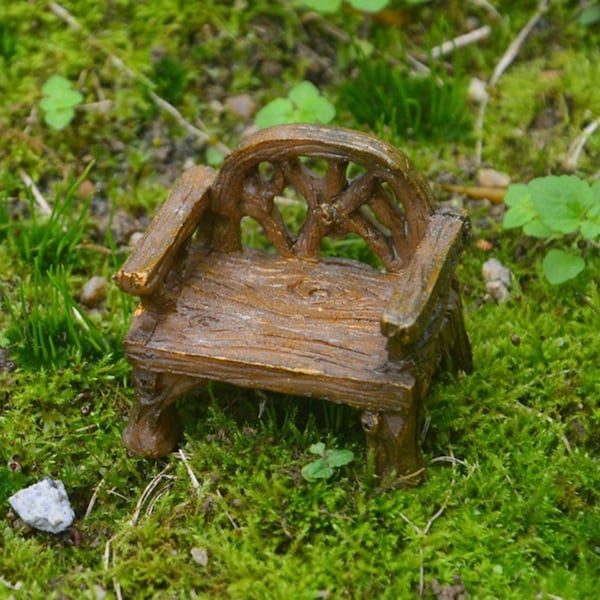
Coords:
pixel 507 58
pixel 460 41
pixel 572 158
pixel 41 202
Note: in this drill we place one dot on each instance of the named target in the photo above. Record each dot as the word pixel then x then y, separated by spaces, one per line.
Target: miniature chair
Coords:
pixel 289 319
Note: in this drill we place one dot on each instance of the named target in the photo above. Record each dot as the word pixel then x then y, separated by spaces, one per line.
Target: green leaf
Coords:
pixel 58 119
pixel 214 157
pixel 56 85
pixel 323 6
pixel 589 15
pixel 302 92
pixel 561 201
pixel 67 99
pixel 521 209
pixel 319 469
pixel 369 5
pixel 560 266
pixel 596 191
pixel 338 458
pixel 315 109
pixel 276 112
pixel 590 228
pixel 318 448
pixel 537 229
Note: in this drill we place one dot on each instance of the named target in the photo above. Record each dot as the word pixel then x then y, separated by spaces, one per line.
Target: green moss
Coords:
pixel 511 502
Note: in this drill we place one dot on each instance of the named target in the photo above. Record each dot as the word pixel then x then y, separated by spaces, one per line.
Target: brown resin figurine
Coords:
pixel 289 319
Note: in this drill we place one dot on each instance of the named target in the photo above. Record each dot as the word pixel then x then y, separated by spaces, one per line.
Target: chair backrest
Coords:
pixel 388 203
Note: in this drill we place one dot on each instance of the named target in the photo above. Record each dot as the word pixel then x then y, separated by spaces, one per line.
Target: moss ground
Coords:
pixel 510 508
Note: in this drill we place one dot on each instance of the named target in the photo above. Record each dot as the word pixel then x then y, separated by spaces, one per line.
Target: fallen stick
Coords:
pixel 507 58
pixel 43 205
pixel 460 41
pixel 572 158
pixel 492 194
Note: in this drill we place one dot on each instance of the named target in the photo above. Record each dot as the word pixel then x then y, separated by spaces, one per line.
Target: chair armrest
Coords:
pixel 174 223
pixel 406 315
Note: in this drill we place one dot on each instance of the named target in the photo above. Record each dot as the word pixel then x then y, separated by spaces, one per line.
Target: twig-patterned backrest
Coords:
pixel 388 205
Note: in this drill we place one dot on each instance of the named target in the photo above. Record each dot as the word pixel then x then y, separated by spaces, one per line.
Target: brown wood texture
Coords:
pixel 293 321
pixel 265 321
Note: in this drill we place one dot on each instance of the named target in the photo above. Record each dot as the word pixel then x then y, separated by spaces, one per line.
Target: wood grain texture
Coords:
pixel 288 320
pixel 175 222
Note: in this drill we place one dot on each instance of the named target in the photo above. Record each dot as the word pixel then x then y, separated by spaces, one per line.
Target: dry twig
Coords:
pixel 572 158
pixel 424 531
pixel 41 202
pixel 460 41
pixel 192 475
pixel 507 58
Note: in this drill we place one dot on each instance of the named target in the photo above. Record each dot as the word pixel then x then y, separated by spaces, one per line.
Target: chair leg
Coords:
pixel 154 426
pixel 456 348
pixel 393 440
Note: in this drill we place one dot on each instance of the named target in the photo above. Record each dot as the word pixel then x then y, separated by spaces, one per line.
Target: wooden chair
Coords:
pixel 292 320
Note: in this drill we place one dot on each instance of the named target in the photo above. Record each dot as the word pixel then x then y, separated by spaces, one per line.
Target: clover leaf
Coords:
pixel 304 104
pixel 59 101
pixel 553 207
pixel 323 467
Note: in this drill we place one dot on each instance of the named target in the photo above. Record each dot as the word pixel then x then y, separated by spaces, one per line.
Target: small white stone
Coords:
pixel 94 291
pixel 477 91
pixel 492 178
pixel 200 555
pixel 134 238
pixel 44 506
pixel 498 291
pixel 494 270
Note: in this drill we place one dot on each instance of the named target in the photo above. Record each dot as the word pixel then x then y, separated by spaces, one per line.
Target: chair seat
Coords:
pixel 257 320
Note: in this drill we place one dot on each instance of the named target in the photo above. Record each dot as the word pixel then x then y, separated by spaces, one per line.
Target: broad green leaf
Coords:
pixel 318 448
pixel 315 109
pixel 66 99
pixel 561 201
pixel 521 209
pixel 559 266
pixel 323 6
pixel 58 119
pixel 516 194
pixel 337 458
pixel 596 191
pixel 276 112
pixel 537 229
pixel 302 92
pixel 369 5
pixel 590 228
pixel 318 469
pixel 214 157
pixel 56 85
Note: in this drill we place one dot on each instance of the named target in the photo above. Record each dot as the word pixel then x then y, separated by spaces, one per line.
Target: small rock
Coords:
pixel 477 91
pixel 200 555
pixel 44 506
pixel 242 105
pixel 94 291
pixel 497 278
pixel 494 270
pixel 492 178
pixel 134 238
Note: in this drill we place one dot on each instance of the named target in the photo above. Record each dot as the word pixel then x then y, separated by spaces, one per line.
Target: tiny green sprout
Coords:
pixel 58 102
pixel 332 6
pixel 304 104
pixel 551 208
pixel 328 460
